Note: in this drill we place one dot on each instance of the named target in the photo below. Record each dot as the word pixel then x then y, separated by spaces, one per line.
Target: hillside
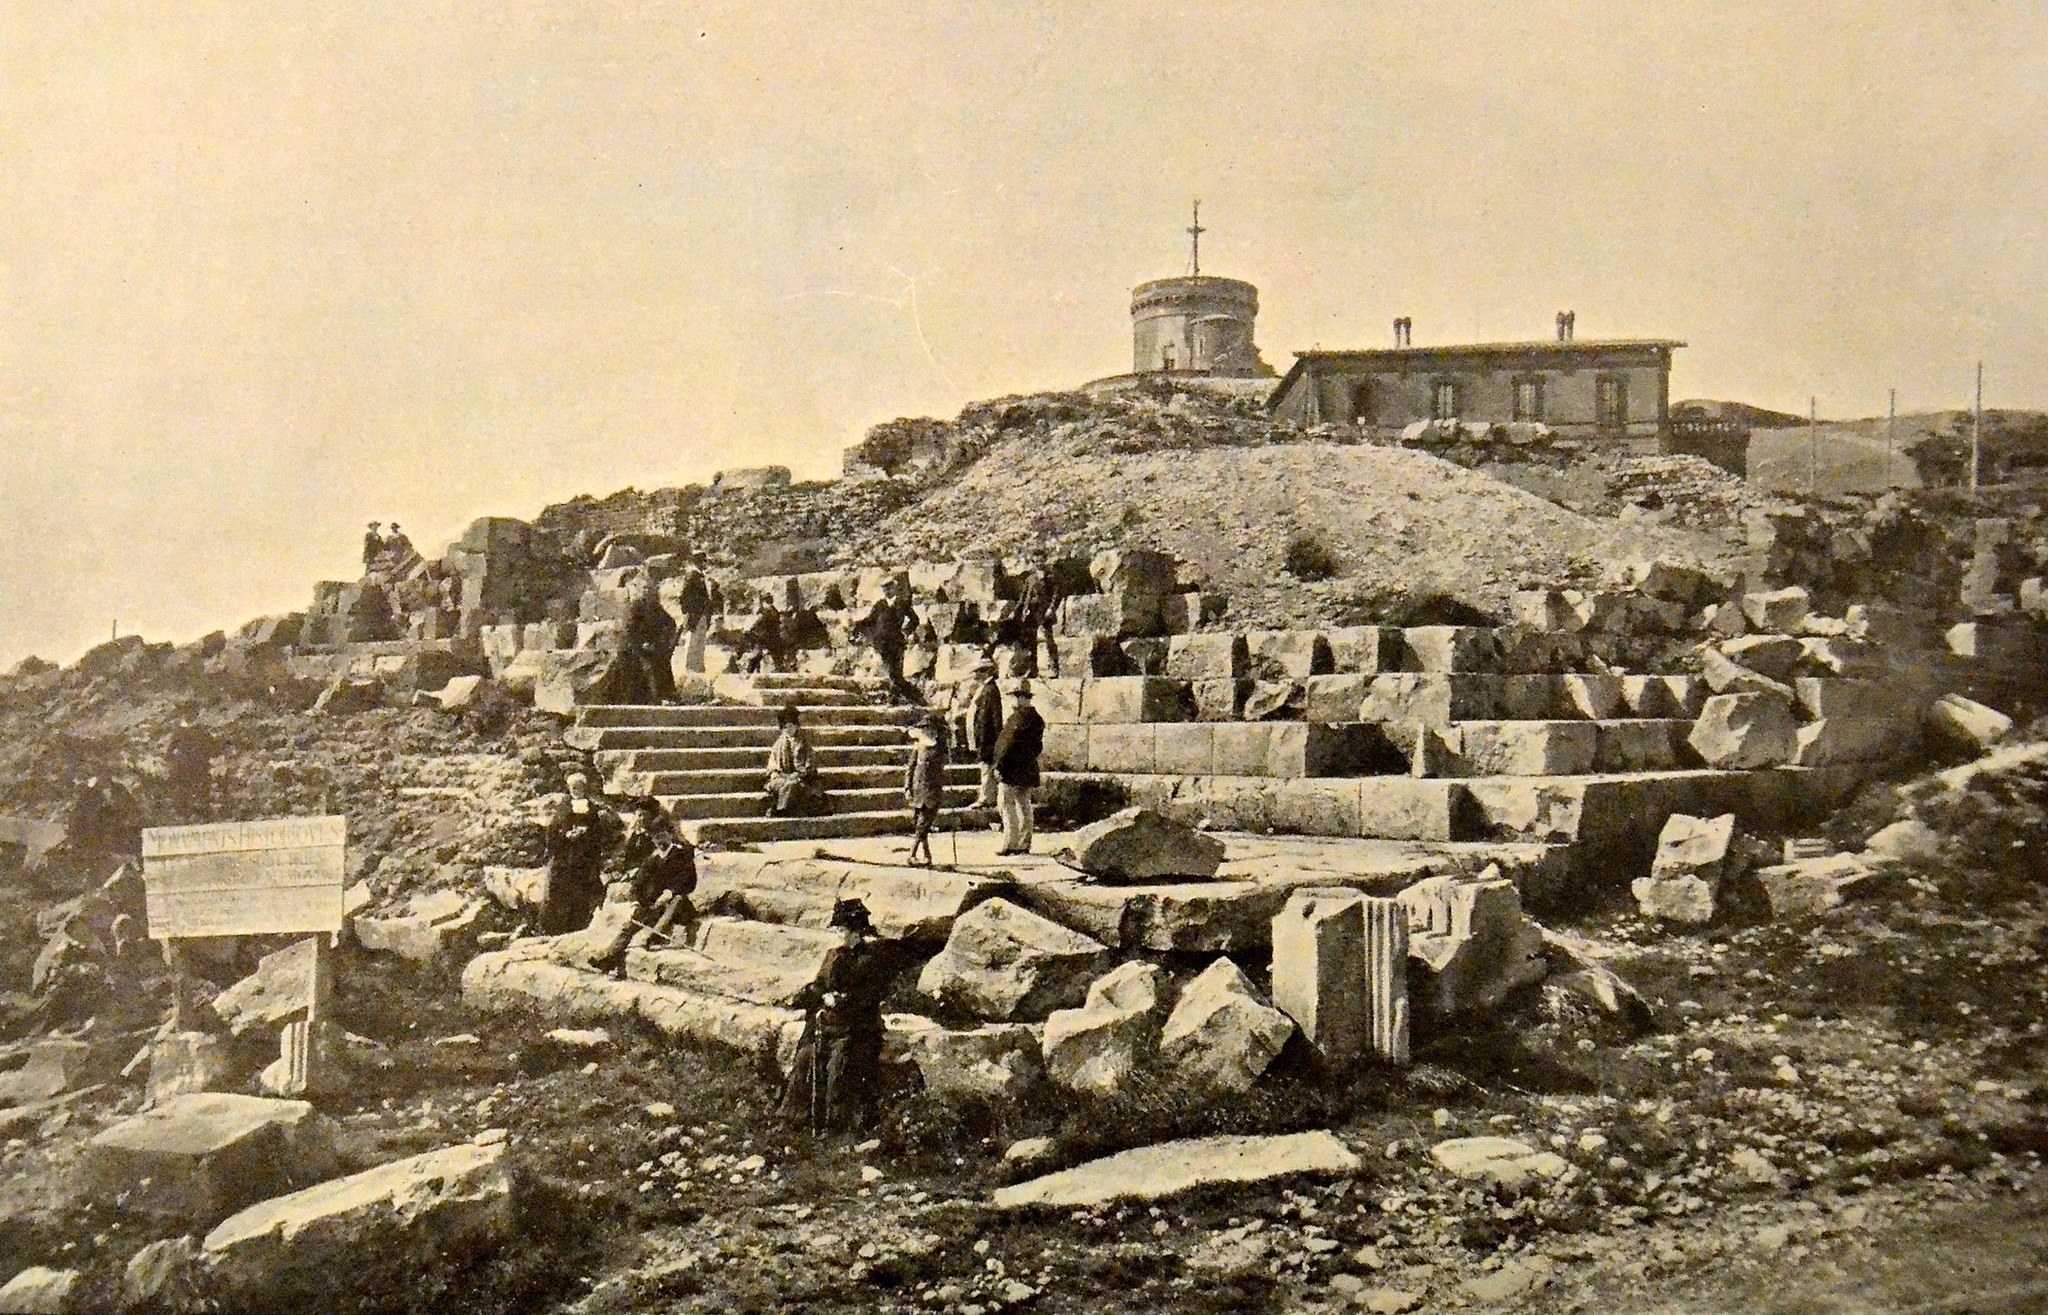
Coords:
pixel 1851 454
pixel 1400 524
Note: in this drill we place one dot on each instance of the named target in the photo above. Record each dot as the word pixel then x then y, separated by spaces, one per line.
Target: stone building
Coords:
pixel 1195 324
pixel 1616 389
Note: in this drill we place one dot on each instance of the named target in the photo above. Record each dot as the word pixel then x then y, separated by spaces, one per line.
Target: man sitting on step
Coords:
pixel 654 870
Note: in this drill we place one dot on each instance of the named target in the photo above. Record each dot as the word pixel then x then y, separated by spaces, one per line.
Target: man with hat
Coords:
pixel 373 546
pixel 835 1082
pixel 984 722
pixel 653 870
pixel 1016 762
pixel 924 783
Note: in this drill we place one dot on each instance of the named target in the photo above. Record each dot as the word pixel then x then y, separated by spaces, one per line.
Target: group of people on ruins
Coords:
pixel 631 854
pixel 384 553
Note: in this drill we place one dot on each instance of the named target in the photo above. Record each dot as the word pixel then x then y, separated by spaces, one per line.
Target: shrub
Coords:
pixel 1310 557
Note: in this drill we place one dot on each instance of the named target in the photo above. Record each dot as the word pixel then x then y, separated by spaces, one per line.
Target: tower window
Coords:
pixel 1444 400
pixel 1166 357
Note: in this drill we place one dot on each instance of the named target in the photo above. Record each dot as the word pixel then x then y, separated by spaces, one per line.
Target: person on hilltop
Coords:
pixel 189 754
pixel 373 546
pixel 579 837
pixel 1017 752
pixel 397 547
pixel 835 1084
pixel 792 784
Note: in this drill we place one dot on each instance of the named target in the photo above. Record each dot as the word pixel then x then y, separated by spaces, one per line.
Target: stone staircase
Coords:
pixel 707 762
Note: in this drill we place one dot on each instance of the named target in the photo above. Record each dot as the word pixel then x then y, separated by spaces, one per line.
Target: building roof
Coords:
pixel 1546 345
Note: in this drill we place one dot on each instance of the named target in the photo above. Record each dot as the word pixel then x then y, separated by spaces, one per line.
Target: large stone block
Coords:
pixel 1474 939
pixel 197 1157
pixel 1129 749
pixel 428 928
pixel 1662 696
pixel 286 984
pixel 1356 650
pixel 1967 721
pixel 1438 699
pixel 1639 745
pixel 519 980
pixel 1090 655
pixel 1206 917
pixel 1003 962
pixel 996 1062
pixel 1850 738
pixel 1185 749
pixel 1695 859
pixel 1315 807
pixel 1674 581
pixel 1100 1046
pixel 1334 698
pixel 1143 657
pixel 1527 748
pixel 40 1290
pixel 1139 845
pixel 1119 615
pixel 1210 656
pixel 1062 701
pixel 1592 697
pixel 1777 610
pixel 1140 571
pixel 1773 656
pixel 1402 808
pixel 1118 700
pixel 1543 609
pixel 1221 1034
pixel 1601 611
pixel 1066 748
pixel 1170 1168
pixel 1524 652
pixel 1219 700
pixel 1293 654
pixel 1243 748
pixel 1320 972
pixel 426 1210
pixel 1439 649
pixel 1745 730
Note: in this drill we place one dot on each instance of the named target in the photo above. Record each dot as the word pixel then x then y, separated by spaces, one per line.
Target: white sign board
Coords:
pixel 245 878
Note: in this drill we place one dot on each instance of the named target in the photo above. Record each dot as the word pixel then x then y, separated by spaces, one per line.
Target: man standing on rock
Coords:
pixel 1039 608
pixel 373 547
pixel 651 645
pixel 694 602
pixel 579 836
pixel 835 1084
pixel 1017 751
pixel 889 625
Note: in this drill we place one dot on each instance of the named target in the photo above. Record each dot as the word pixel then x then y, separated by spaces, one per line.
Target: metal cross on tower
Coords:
pixel 1195 231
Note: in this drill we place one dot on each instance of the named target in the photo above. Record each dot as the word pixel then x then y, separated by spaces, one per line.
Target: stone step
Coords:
pixel 918 903
pixel 1565 748
pixel 1225 748
pixel 742 759
pixel 749 803
pixel 887 776
pixel 622 715
pixel 730 737
pixel 837 826
pixel 800 681
pixel 1440 698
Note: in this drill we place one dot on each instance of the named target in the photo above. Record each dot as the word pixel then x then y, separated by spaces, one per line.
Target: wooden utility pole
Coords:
pixel 1891 431
pixel 1813 446
pixel 1977 429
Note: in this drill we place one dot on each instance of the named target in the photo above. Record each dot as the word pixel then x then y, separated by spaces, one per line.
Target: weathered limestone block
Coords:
pixel 1221 1034
pixel 763 963
pixel 1745 730
pixel 518 889
pixel 1675 581
pixel 1119 615
pixel 1437 752
pixel 1003 962
pixel 1831 655
pixel 1526 652
pixel 285 985
pixel 427 928
pixel 1184 749
pixel 1438 699
pixel 1334 698
pixel 199 1156
pixel 1647 745
pixel 1778 610
pixel 1062 700
pixel 1295 654
pixel 1771 656
pixel 1120 700
pixel 1356 650
pixel 997 1062
pixel 1213 656
pixel 1123 749
pixel 1474 940
pixel 521 979
pixel 1724 675
pixel 1449 649
pixel 55 1065
pixel 1098 1047
pixel 1219 700
pixel 1603 612
pixel 420 1211
pixel 40 1290
pixel 1849 738
pixel 1140 571
pixel 1320 974
pixel 1139 845
pixel 1170 1168
pixel 184 1062
pixel 1197 917
pixel 1826 696
pixel 1908 840
pixel 1594 698
pixel 1144 657
pixel 1090 655
pixel 1968 721
pixel 1401 808
pixel 1499 1162
pixel 1274 700
pixel 1315 807
pixel 1527 748
pixel 1814 886
pixel 1696 857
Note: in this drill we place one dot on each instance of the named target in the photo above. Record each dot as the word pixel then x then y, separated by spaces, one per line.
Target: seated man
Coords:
pixel 792 785
pixel 653 870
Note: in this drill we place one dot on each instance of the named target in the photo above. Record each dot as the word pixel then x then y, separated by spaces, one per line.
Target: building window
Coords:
pixel 1361 403
pixel 1444 400
pixel 1166 357
pixel 1528 399
pixel 1610 401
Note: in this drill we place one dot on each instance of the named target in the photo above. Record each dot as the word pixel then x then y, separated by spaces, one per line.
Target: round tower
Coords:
pixel 1195 323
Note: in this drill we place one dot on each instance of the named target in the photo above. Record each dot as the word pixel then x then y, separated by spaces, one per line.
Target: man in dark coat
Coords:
pixel 1017 751
pixel 373 547
pixel 579 836
pixel 888 626
pixel 188 771
pixel 650 643
pixel 654 870
pixel 694 602
pixel 984 724
pixel 1040 608
pixel 835 1083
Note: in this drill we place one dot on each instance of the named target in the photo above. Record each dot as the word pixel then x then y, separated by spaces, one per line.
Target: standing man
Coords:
pixel 835 1083
pixel 889 625
pixel 651 643
pixel 694 602
pixel 1040 607
pixel 373 547
pixel 579 836
pixel 984 725
pixel 924 785
pixel 188 771
pixel 1017 751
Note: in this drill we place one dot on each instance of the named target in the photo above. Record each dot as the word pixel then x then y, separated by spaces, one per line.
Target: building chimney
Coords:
pixel 1404 329
pixel 1566 322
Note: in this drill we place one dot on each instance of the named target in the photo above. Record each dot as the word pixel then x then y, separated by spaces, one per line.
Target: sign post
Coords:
pixel 274 877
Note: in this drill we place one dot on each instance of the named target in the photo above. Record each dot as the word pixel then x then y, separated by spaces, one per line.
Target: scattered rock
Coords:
pixel 1500 1162
pixel 1028 1151
pixel 199 1156
pixel 1816 885
pixel 997 1062
pixel 1696 858
pixel 1779 610
pixel 285 985
pixel 185 1062
pixel 1151 1172
pixel 1907 840
pixel 1221 1033
pixel 1139 845
pixel 426 929
pixel 1097 1047
pixel 39 1291
pixel 1003 962
pixel 1474 939
pixel 165 1275
pixel 1969 722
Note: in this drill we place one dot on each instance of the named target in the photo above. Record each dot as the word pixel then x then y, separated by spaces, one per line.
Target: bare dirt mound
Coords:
pixel 1397 525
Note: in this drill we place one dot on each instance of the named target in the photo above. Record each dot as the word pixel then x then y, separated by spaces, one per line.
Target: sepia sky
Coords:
pixel 270 271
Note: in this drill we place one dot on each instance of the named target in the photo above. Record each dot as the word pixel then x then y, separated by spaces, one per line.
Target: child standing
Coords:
pixel 924 784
